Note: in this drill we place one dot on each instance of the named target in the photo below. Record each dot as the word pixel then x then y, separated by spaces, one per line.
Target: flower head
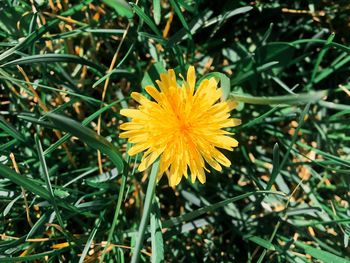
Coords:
pixel 182 126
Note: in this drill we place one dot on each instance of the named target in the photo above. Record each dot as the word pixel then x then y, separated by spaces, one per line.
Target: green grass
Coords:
pixel 284 199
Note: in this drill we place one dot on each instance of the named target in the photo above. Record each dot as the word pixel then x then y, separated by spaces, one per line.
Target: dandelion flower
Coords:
pixel 183 127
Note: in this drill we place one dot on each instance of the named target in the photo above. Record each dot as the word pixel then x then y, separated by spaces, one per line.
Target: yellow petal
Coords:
pixel 222 159
pixel 148 160
pixel 191 78
pixel 131 126
pixel 154 93
pixel 133 113
pixel 201 177
pixel 232 104
pixel 138 148
pixel 139 98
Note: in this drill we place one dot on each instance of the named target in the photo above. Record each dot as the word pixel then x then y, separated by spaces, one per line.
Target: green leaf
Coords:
pixel 282 52
pixel 322 255
pixel 146 212
pixel 25 182
pixel 320 57
pixel 156 11
pixel 48 58
pixel 9 205
pixel 46 176
pixel 156 233
pixel 121 7
pixel 91 237
pixel 147 19
pixel 30 185
pixel 245 76
pixel 262 242
pixel 10 130
pixel 196 213
pixel 33 257
pixel 88 136
pixel 310 97
pixel 276 166
pixel 181 17
pixel 227 15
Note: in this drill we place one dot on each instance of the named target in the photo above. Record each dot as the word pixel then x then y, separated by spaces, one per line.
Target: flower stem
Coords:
pixel 303 98
pixel 146 212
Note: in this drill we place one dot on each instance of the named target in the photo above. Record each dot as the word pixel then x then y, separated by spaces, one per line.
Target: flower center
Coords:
pixel 184 127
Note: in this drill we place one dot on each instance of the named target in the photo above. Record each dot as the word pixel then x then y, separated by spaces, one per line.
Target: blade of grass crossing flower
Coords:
pixel 156 233
pixel 146 212
pixel 196 213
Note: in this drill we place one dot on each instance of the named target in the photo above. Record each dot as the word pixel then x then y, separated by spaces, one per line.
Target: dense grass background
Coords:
pixel 82 59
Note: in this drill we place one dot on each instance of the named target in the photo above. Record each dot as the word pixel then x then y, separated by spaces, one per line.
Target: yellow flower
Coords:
pixel 183 127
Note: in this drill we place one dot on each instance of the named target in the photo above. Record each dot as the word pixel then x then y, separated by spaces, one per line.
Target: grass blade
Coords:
pixel 156 11
pixel 89 137
pixel 49 58
pixel 194 214
pixel 146 211
pixel 303 98
pixel 147 19
pixel 156 234
pixel 47 180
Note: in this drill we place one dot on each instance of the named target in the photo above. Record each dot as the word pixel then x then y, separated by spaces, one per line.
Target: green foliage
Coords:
pixel 284 199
